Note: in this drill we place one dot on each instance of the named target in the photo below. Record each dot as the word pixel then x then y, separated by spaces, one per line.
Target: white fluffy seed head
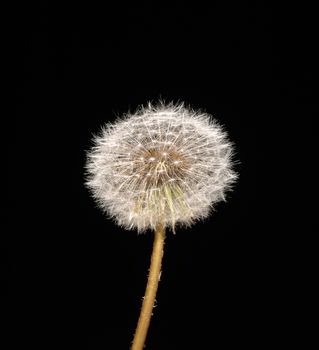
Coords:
pixel 165 164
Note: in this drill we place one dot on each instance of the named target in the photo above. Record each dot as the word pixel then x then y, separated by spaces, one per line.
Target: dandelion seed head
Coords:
pixel 165 164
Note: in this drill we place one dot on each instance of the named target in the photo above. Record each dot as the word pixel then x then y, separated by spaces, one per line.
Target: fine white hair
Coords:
pixel 164 164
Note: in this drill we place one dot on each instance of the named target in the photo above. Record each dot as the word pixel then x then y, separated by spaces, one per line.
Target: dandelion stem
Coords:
pixel 151 289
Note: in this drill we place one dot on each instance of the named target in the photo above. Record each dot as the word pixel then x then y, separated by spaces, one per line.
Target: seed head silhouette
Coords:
pixel 163 164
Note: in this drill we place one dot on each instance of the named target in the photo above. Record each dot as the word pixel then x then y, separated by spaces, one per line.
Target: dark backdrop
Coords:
pixel 76 279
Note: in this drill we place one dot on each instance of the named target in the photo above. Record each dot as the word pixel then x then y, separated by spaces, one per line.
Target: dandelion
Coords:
pixel 162 167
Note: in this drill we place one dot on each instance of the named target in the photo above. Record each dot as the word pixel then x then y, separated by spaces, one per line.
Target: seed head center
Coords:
pixel 159 166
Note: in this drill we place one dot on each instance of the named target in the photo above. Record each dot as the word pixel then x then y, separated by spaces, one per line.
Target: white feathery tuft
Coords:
pixel 165 164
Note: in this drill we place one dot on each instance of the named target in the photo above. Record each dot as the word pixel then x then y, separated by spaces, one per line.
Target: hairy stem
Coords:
pixel 151 289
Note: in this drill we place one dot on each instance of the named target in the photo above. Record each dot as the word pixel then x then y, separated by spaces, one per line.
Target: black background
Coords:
pixel 76 279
